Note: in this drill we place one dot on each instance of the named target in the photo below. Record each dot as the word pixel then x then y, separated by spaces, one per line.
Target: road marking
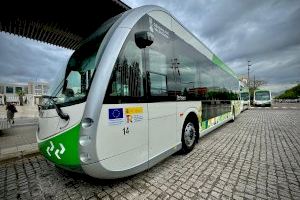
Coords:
pixel 284 107
pixel 293 107
pixel 275 107
pixel 267 107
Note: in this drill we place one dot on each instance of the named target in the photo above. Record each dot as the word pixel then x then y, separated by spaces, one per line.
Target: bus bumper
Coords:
pixel 62 149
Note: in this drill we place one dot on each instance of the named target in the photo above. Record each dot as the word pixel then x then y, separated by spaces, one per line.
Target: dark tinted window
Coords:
pixel 126 82
pixel 200 79
pixel 126 78
pixel 245 96
pixel 168 68
pixel 262 95
pixel 160 74
pixel 9 89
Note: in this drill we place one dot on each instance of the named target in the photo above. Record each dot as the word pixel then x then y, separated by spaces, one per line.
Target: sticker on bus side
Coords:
pixel 134 114
pixel 116 116
pixel 213 121
pixel 134 110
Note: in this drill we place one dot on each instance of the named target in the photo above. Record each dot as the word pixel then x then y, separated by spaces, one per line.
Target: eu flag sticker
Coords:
pixel 115 113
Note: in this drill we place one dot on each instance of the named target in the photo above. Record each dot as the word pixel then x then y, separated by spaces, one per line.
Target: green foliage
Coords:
pixel 21 93
pixel 293 93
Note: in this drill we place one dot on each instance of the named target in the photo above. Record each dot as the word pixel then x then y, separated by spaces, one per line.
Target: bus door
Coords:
pixel 161 102
pixel 124 115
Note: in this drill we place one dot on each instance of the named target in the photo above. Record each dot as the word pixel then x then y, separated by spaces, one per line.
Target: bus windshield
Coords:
pixel 262 95
pixel 245 96
pixel 80 69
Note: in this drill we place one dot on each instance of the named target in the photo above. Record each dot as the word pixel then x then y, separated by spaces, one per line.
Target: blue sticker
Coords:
pixel 115 113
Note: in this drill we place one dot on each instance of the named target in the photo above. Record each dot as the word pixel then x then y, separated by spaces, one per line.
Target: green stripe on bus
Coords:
pixel 223 66
pixel 206 124
pixel 63 148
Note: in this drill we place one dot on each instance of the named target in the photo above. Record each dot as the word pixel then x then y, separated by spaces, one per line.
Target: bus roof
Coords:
pixel 262 90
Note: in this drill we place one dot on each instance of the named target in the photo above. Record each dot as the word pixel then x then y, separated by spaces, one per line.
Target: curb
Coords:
pixel 7 126
pixel 18 152
pixel 25 124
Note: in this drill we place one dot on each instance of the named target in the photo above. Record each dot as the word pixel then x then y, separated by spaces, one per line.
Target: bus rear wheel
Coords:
pixel 189 136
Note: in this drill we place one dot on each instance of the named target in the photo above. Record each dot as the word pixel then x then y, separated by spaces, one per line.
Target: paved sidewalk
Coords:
pixel 19 139
pixel 4 124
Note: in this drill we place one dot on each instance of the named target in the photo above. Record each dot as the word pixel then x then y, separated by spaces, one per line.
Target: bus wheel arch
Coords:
pixel 190 133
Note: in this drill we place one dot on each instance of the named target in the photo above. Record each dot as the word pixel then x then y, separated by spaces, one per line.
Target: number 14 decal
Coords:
pixel 125 130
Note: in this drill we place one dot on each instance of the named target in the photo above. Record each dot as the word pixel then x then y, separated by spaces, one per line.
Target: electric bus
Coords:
pixel 262 98
pixel 245 96
pixel 139 89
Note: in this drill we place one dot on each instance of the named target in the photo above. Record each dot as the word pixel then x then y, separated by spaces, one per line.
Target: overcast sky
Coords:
pixel 265 32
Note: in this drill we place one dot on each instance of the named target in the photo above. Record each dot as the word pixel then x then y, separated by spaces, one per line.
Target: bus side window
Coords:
pixel 126 82
pixel 157 84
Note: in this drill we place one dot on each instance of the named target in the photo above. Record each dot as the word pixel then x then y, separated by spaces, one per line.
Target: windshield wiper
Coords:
pixel 60 113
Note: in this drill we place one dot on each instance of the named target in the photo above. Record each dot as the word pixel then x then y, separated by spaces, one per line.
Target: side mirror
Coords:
pixel 144 39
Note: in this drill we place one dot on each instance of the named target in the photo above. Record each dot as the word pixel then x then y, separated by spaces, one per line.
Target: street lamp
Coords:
pixel 248 73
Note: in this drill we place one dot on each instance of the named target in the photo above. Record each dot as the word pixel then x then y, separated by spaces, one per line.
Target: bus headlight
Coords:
pixel 84 140
pixel 84 157
pixel 87 122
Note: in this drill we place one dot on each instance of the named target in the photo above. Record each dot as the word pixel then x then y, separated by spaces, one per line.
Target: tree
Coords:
pixel 292 93
pixel 21 95
pixel 254 85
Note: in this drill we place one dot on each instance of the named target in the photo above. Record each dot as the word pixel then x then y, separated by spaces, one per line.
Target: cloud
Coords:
pixel 265 32
pixel 23 60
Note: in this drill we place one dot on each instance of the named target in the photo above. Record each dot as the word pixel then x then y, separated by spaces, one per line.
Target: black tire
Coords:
pixel 189 135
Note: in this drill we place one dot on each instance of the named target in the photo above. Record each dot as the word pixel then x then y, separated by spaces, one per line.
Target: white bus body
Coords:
pixel 262 98
pixel 139 89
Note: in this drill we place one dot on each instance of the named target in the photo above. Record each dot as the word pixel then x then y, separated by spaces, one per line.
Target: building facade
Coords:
pixel 32 91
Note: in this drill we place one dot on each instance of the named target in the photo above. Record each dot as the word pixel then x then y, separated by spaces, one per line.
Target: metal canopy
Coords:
pixel 57 22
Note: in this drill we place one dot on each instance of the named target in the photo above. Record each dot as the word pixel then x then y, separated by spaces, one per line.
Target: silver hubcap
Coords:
pixel 189 134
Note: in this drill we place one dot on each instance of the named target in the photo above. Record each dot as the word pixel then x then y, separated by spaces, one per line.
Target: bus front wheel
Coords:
pixel 189 135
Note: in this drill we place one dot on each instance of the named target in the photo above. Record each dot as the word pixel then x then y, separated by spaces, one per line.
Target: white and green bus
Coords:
pixel 262 98
pixel 137 90
pixel 245 96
